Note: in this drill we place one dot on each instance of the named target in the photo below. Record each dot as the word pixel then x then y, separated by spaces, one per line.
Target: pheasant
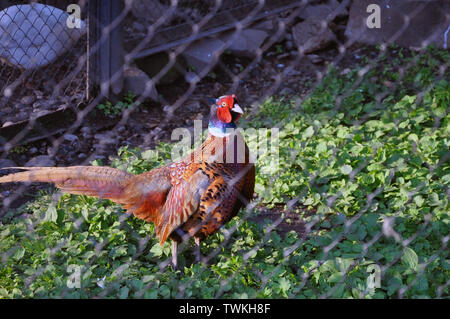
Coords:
pixel 192 197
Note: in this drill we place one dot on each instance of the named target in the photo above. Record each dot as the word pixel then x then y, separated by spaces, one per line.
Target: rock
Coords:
pixel 104 138
pixel 286 91
pixel 71 138
pixel 51 102
pixel 85 130
pixel 345 71
pixel 314 58
pixel 139 26
pixel 412 24
pixel 39 94
pixel 19 106
pixel 139 83
pixel 7 109
pixel 44 34
pixel 191 77
pixel 320 11
pixel 62 106
pixel 148 11
pixel 8 123
pixel 4 162
pixel 21 116
pixel 153 64
pixel 283 56
pixel 125 143
pixel 27 100
pixel 246 43
pixel 41 160
pixel 37 104
pixel 329 11
pixel 293 72
pixel 200 55
pixel 42 113
pixel 266 25
pixel 312 35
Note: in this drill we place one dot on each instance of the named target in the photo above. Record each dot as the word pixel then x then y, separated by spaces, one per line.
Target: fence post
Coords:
pixel 105 48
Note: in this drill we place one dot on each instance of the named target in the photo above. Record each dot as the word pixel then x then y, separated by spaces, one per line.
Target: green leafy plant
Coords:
pixel 21 149
pixel 373 172
pixel 113 110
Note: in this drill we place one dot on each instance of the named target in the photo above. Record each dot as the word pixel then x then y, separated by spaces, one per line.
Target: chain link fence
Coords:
pixel 351 196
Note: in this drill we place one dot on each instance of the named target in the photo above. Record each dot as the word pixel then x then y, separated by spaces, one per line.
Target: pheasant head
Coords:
pixel 225 112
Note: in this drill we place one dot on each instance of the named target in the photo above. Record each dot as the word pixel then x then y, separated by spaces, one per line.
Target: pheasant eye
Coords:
pixel 224 104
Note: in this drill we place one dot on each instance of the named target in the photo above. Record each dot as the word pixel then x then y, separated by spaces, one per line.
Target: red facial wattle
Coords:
pixel 223 111
pixel 224 114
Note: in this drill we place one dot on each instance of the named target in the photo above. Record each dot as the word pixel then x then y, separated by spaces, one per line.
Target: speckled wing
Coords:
pixel 228 192
pixel 183 199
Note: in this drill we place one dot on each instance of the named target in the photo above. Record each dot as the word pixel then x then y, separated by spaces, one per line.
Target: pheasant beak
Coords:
pixel 236 108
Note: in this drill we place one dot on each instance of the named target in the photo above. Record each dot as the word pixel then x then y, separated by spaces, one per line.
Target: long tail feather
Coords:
pixel 103 182
pixel 142 195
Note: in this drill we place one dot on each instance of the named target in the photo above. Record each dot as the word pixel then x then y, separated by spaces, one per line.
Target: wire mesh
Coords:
pixel 352 170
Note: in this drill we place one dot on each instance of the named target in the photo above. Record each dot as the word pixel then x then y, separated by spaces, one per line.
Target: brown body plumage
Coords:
pixel 193 197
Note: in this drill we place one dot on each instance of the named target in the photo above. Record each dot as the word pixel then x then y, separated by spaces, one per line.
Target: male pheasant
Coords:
pixel 193 197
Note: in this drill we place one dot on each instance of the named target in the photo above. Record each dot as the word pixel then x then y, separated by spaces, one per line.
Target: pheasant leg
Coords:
pixel 198 254
pixel 174 254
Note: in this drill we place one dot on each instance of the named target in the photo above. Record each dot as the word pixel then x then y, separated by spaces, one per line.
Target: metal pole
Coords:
pixel 105 47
